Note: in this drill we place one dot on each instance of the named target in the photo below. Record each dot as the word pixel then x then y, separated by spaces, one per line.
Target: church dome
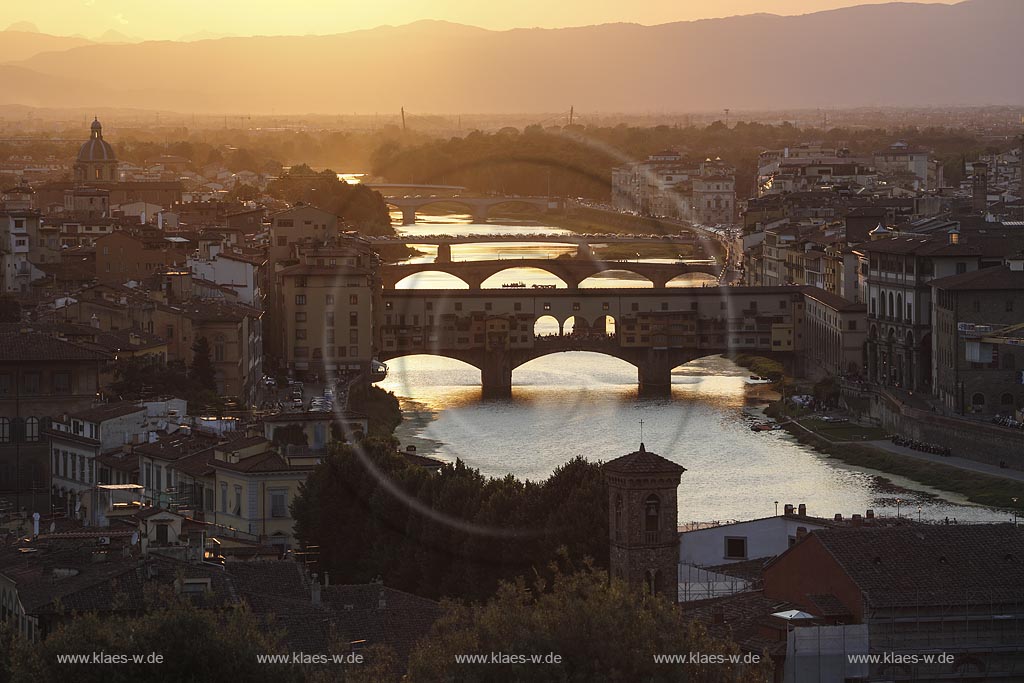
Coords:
pixel 96 148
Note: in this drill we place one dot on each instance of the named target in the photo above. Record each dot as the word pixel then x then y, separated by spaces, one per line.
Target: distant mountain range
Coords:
pixel 899 54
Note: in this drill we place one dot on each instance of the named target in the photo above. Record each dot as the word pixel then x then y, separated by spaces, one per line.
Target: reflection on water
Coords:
pixel 571 404
pixel 586 404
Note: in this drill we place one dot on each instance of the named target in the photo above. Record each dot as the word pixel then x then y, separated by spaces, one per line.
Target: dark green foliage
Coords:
pixel 202 372
pixel 578 160
pixel 357 205
pixel 197 645
pixel 381 407
pixel 290 434
pixel 144 377
pixel 601 630
pixel 452 533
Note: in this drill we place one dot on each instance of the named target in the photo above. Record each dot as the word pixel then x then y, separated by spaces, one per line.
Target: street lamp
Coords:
pixel 1015 515
pixel 919 514
pixel 777 507
pixel 899 501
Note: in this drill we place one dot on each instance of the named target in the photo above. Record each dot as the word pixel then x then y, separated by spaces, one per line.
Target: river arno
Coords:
pixel 586 404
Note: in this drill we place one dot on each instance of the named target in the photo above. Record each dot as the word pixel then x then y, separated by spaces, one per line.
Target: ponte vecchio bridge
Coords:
pixel 655 330
pixel 571 271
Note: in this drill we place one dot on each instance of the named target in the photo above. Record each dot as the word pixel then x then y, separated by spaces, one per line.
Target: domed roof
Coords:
pixel 96 148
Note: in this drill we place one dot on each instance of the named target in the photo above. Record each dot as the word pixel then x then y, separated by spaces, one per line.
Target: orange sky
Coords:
pixel 174 19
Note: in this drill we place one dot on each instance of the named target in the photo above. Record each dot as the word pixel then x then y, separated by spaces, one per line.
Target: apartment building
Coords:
pixel 327 308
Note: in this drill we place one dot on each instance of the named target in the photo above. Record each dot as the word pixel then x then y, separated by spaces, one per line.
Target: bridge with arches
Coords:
pixel 655 330
pixel 571 271
pixel 478 207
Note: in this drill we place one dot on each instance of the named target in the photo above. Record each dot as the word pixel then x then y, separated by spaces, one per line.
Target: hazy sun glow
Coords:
pixel 194 19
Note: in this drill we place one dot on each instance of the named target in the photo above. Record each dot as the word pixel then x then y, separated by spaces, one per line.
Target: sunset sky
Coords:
pixel 172 20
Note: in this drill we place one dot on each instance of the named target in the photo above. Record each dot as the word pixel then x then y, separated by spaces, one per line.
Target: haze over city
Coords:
pixel 433 341
pixel 460 59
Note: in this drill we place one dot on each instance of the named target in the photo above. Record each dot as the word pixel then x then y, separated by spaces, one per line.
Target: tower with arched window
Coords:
pixel 643 533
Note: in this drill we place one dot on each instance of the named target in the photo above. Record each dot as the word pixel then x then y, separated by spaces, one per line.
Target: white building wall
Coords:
pixel 766 537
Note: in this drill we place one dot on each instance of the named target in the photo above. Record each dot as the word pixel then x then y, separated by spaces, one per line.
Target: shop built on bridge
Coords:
pixel 655 330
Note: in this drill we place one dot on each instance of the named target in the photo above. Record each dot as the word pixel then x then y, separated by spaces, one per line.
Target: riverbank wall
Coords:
pixel 980 441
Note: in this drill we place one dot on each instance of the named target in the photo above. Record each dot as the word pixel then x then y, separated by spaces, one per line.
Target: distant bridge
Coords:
pixel 546 238
pixel 656 330
pixel 478 207
pixel 386 188
pixel 571 271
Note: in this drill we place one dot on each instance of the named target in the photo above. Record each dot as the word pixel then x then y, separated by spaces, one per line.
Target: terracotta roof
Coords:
pixel 196 464
pixel 108 411
pixel 381 615
pixel 995 278
pixel 740 618
pixel 118 460
pixel 833 301
pixel 930 565
pixel 642 461
pixel 268 461
pixel 39 346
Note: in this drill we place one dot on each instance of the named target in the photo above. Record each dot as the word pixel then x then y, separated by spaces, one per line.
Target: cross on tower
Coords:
pixel 641 431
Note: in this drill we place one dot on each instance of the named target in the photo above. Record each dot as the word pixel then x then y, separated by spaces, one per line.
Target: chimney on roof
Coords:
pixel 838 517
pixel 869 514
pixel 788 510
pixel 802 510
pixel 857 520
pixel 801 531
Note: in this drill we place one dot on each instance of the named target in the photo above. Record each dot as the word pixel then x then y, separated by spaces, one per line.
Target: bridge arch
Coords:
pixel 604 324
pixel 513 273
pixel 597 280
pixel 546 325
pixel 411 207
pixel 692 279
pixel 555 354
pixel 431 278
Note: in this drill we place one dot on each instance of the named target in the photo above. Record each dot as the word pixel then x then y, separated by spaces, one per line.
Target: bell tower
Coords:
pixel 642 525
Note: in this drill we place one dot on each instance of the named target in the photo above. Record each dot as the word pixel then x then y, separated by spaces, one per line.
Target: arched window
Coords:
pixel 892 310
pixel 978 399
pixel 1006 399
pixel 652 513
pixel 5 430
pixel 32 429
pixel 898 311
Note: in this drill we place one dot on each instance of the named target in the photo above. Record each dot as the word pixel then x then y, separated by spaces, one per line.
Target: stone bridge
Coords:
pixel 656 330
pixel 571 271
pixel 478 207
